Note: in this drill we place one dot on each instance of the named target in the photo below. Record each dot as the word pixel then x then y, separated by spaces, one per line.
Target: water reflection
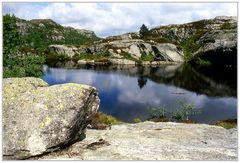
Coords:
pixel 128 92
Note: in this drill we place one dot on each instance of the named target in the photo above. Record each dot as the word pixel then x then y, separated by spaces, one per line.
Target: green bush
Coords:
pixel 96 57
pixel 184 110
pixel 15 62
pixel 189 47
pixel 101 119
pixel 177 114
pixel 228 123
pixel 11 39
pixel 182 113
pixel 147 57
pixel 30 66
pixel 137 120
pixel 15 71
pixel 226 25
pixel 159 112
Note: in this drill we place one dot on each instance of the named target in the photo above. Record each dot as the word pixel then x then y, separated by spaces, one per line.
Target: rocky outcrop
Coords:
pixel 68 51
pixel 136 48
pixel 181 32
pixel 213 40
pixel 219 47
pixel 127 36
pixel 38 118
pixel 85 32
pixel 203 39
pixel 154 141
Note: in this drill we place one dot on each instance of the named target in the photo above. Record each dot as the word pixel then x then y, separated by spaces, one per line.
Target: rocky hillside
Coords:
pixel 153 141
pixel 40 33
pixel 207 42
pixel 213 40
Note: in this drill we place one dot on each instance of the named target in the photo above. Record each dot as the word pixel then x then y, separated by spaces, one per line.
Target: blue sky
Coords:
pixel 107 19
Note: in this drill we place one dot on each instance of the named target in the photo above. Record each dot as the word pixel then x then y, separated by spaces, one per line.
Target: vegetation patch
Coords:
pixel 53 57
pixel 180 114
pixel 15 62
pixel 190 46
pixel 129 57
pixel 137 120
pixel 203 62
pixel 102 121
pixel 40 37
pixel 99 57
pixel 226 25
pixel 147 57
pixel 229 123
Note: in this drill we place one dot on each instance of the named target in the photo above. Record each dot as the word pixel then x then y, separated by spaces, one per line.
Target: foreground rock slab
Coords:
pixel 153 141
pixel 38 118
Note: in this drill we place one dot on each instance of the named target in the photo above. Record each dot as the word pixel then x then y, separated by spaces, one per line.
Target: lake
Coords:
pixel 129 92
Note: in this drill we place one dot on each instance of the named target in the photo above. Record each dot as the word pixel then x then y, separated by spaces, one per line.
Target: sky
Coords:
pixel 107 19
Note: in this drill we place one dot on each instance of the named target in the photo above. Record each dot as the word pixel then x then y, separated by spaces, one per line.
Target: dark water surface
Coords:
pixel 129 92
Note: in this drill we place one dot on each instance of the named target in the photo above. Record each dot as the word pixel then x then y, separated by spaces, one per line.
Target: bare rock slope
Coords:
pixel 154 141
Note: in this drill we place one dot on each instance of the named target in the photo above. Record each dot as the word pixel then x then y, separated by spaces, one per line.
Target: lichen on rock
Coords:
pixel 38 118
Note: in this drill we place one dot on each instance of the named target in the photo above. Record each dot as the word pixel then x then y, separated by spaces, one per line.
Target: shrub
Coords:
pixel 185 110
pixel 129 57
pixel 15 63
pixel 101 119
pixel 226 25
pixel 159 112
pixel 137 120
pixel 177 114
pixel 11 39
pixel 229 123
pixel 182 113
pixel 147 57
pixel 53 57
pixel 30 66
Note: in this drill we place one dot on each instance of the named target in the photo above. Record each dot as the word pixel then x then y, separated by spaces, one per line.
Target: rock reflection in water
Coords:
pixel 128 92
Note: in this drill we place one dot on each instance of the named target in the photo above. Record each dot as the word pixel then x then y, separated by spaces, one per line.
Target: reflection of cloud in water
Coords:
pixel 67 76
pixel 128 99
pixel 83 78
pixel 58 74
pixel 129 92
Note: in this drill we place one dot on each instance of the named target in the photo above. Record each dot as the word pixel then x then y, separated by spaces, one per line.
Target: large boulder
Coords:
pixel 168 52
pixel 38 118
pixel 68 51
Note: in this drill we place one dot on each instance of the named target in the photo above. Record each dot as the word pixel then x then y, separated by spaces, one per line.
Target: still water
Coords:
pixel 130 92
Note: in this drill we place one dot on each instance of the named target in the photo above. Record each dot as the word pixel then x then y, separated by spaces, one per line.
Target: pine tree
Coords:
pixel 143 31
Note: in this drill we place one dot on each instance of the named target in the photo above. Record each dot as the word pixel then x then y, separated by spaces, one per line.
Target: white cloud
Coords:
pixel 117 18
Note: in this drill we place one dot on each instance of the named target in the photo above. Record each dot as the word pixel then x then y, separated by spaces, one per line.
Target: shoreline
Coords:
pixel 110 62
